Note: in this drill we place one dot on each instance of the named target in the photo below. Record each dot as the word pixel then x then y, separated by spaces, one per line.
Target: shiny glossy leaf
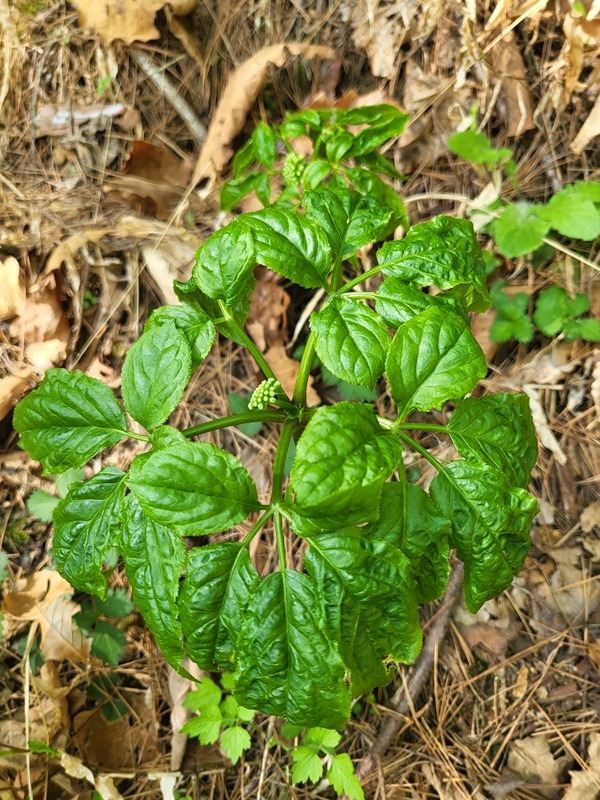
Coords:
pixel 397 301
pixel 194 323
pixel 224 263
pixel 68 419
pixel 193 487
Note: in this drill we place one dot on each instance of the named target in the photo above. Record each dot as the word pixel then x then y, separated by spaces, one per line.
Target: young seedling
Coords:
pixel 306 639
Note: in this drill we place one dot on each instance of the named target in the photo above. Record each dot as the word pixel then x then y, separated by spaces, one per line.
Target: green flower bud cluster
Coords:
pixel 265 393
pixel 293 169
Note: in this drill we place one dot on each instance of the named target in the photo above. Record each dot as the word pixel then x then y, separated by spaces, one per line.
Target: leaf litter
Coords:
pixel 526 669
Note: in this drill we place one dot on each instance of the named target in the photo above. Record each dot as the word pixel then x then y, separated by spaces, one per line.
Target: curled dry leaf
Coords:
pixel 585 785
pixel 45 597
pixel 239 95
pixel 128 20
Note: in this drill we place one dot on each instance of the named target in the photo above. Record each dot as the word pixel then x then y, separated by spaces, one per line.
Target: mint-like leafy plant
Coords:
pixel 306 639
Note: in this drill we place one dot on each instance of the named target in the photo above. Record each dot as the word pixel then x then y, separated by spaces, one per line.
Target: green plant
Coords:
pixel 555 312
pixel 304 640
pixel 41 504
pixel 108 641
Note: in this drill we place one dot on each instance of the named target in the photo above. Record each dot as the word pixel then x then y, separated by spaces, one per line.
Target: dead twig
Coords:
pixel 402 699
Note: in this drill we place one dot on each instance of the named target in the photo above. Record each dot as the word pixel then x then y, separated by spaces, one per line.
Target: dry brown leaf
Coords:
pixel 540 420
pixel 590 518
pixel 532 758
pixel 152 180
pixel 128 20
pixel 589 130
pixel 182 7
pixel 585 785
pixel 12 387
pixel 378 30
pixel 66 119
pixel 13 292
pixel 239 95
pixel 508 63
pixel 45 597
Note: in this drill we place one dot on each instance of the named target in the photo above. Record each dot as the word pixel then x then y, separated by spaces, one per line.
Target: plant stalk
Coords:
pixel 306 363
pixel 260 415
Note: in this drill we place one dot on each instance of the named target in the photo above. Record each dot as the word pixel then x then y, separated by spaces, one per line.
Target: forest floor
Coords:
pixel 102 121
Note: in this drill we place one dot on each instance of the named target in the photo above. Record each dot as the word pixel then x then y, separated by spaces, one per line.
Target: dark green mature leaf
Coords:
pixel 369 184
pixel 369 602
pixel 444 253
pixel 315 173
pixel 214 596
pixel 497 430
pixel 190 294
pixel 155 373
pixel 286 665
pixel 154 558
pixel 194 323
pixel 194 487
pixel 68 419
pixel 290 244
pixel 86 526
pixel 383 121
pixel 411 522
pixel 244 158
pixel 490 526
pixel 397 301
pixel 263 139
pixel 225 262
pixel 342 459
pixel 433 358
pixel 349 219
pixel 379 163
pixel 234 191
pixel 108 642
pixel 351 340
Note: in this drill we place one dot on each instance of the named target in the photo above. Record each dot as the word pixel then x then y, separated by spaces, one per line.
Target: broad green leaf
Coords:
pixel 307 765
pixel 351 340
pixel 315 173
pixel 490 526
pixel 190 294
pixel 370 185
pixel 263 140
pixel 433 358
pixel 379 163
pixel 290 244
pixel 68 419
pixel 342 459
pixel 349 220
pixel 577 305
pixel 444 253
pixel 66 478
pixel 369 601
pixel 397 301
pixel 551 310
pixel 156 371
pixel 212 602
pixel 263 189
pixel 586 190
pixel 224 263
pixel 343 779
pixel 383 122
pixel 206 727
pixel 286 665
pixel 477 148
pixel 86 526
pixel 207 694
pixel 586 329
pixel 234 191
pixel 108 642
pixel 244 158
pixel 569 213
pixel 519 229
pixel 235 741
pixel 154 557
pixel 338 145
pixel 195 325
pixel 194 487
pixel 497 430
pixel 323 739
pixel 41 505
pixel 166 436
pixel 411 522
pixel 511 320
pixel 116 604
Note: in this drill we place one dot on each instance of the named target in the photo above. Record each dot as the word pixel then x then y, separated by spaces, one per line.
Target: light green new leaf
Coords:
pixel 212 602
pixel 519 229
pixel 411 522
pixel 286 665
pixel 290 244
pixel 571 214
pixel 307 765
pixel 207 694
pixel 68 419
pixel 86 526
pixel 155 373
pixel 41 505
pixel 490 526
pixel 474 146
pixel 351 340
pixel 497 430
pixel 349 219
pixel 397 301
pixel 263 140
pixel 369 603
pixel 195 325
pixel 444 253
pixel 341 776
pixel 206 727
pixel 154 557
pixel 225 262
pixel 342 459
pixel 433 358
pixel 235 741
pixel 193 487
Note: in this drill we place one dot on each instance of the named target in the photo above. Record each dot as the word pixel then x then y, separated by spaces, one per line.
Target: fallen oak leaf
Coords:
pixel 128 20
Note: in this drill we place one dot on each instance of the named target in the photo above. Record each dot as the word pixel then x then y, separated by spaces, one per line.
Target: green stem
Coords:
pixel 139 436
pixel 306 363
pixel 364 276
pixel 421 450
pixel 260 415
pixel 260 523
pixel 280 456
pixel 245 340
pixel 336 274
pixel 362 295
pixel 280 546
pixel 419 426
